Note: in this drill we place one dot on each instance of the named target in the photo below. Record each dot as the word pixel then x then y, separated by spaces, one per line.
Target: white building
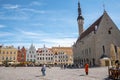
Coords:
pixel 31 54
pixel 44 56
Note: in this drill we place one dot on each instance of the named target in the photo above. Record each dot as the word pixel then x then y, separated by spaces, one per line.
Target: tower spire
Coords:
pixel 80 19
pixel 79 9
pixel 79 12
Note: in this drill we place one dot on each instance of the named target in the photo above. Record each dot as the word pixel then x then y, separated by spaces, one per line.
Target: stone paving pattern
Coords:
pixel 54 73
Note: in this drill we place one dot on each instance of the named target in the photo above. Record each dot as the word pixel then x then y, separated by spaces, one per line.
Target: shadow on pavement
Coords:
pixel 82 75
pixel 39 76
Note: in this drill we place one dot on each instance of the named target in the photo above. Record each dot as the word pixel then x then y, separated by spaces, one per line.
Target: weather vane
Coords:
pixel 104 6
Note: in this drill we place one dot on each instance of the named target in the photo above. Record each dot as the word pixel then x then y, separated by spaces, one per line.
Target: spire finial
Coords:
pixel 79 12
pixel 104 7
pixel 79 9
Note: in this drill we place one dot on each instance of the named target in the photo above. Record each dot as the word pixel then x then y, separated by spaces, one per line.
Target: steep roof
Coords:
pixel 103 56
pixel 91 28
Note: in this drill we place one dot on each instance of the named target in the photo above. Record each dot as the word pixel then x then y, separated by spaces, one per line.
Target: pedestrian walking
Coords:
pixel 86 68
pixel 43 70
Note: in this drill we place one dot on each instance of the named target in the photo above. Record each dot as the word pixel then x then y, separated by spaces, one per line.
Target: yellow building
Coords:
pixel 62 55
pixel 8 53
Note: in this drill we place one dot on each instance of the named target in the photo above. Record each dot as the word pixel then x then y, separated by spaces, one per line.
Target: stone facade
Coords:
pixel 8 53
pixel 21 55
pixel 62 55
pixel 98 42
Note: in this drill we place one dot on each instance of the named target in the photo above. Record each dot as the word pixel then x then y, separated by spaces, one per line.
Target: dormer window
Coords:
pixel 96 28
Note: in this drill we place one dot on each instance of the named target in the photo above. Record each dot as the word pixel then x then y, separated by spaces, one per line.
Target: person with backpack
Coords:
pixel 43 70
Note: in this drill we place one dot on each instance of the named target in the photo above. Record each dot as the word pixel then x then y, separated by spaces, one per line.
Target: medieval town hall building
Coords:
pixel 99 44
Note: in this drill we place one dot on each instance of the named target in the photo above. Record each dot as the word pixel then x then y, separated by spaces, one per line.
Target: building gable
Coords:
pixel 90 29
pixel 108 30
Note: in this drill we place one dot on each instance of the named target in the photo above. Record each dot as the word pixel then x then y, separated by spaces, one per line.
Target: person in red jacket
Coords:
pixel 86 68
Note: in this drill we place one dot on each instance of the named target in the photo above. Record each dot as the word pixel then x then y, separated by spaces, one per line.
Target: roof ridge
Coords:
pixel 90 28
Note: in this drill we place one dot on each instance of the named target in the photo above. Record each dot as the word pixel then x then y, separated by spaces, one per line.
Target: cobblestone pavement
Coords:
pixel 54 73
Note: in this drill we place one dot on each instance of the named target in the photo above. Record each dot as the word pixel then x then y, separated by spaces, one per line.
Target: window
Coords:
pixel 115 48
pixel 6 58
pixel 14 58
pixel 103 49
pixel 109 31
pixel 55 56
pixel 3 58
pixel 49 58
pixel 38 58
pixel 89 50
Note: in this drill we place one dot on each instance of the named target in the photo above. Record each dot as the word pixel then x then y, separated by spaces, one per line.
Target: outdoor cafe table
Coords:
pixel 114 73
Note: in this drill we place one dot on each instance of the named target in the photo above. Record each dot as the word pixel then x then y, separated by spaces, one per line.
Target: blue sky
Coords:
pixel 49 22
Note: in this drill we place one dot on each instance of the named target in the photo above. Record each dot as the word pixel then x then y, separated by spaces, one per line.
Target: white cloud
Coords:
pixel 10 6
pixel 2 26
pixel 3 34
pixel 33 10
pixel 48 42
pixel 30 34
pixel 61 41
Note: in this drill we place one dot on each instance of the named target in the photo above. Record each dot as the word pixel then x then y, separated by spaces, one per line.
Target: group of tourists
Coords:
pixel 43 69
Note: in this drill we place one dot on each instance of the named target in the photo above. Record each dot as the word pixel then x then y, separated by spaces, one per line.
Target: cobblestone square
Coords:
pixel 54 73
